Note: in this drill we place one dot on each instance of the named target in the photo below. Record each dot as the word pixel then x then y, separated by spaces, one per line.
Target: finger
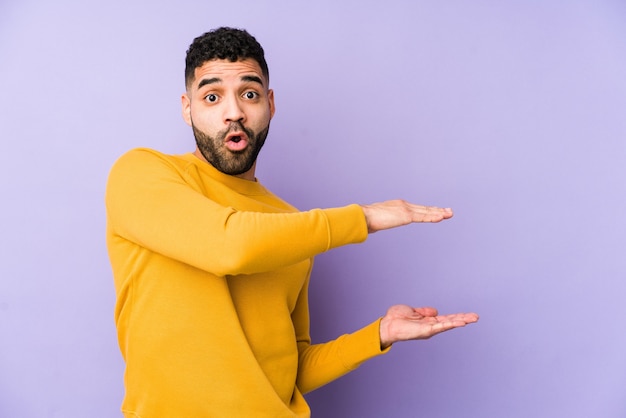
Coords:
pixel 438 214
pixel 471 317
pixel 440 327
pixel 426 311
pixel 467 318
pixel 429 213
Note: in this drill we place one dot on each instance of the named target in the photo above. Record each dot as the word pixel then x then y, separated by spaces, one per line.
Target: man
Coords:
pixel 211 269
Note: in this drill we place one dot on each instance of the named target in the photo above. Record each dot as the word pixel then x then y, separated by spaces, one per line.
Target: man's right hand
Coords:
pixel 394 213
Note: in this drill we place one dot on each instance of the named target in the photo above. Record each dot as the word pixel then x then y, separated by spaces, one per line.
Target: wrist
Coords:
pixel 385 339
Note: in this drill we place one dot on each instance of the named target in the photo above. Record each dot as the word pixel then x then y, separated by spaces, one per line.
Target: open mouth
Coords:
pixel 236 142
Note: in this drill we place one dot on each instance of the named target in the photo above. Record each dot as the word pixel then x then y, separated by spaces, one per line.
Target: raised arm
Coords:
pixel 159 204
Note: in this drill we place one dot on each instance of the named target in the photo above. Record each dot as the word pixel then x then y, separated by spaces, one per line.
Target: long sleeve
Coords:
pixel 150 202
pixel 320 364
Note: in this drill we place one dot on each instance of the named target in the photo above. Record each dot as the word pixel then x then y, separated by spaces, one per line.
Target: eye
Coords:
pixel 250 95
pixel 211 98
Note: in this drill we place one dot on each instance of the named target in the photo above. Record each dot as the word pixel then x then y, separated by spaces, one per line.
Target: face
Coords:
pixel 229 107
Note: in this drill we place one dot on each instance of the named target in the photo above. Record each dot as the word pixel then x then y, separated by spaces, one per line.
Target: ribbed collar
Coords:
pixel 246 187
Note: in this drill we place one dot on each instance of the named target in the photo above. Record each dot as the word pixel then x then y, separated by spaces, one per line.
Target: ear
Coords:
pixel 270 97
pixel 186 105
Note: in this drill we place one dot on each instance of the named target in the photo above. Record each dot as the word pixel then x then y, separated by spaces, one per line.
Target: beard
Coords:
pixel 226 161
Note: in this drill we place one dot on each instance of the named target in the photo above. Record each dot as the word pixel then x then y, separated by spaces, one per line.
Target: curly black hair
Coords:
pixel 226 44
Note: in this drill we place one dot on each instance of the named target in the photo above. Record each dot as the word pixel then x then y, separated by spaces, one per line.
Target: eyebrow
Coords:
pixel 206 81
pixel 215 80
pixel 252 78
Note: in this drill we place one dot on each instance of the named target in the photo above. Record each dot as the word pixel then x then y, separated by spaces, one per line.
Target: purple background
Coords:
pixel 511 112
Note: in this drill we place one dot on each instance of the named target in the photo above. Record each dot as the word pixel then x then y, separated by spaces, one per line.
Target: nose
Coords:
pixel 233 111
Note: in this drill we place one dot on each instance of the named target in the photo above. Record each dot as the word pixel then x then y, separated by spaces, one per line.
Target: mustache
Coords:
pixel 236 127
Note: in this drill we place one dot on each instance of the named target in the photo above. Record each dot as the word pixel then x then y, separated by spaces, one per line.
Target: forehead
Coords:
pixel 226 70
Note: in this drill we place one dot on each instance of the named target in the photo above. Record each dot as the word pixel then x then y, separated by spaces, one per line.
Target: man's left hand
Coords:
pixel 402 323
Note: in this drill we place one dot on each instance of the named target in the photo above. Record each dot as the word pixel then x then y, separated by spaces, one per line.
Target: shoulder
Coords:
pixel 141 167
pixel 141 155
pixel 139 159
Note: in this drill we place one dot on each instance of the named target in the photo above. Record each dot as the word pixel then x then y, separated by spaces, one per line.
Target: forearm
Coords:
pixel 322 363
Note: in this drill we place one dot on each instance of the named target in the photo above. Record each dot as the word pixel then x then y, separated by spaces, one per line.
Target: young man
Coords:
pixel 211 269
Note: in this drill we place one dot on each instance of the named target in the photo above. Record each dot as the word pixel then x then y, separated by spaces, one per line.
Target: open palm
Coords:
pixel 403 322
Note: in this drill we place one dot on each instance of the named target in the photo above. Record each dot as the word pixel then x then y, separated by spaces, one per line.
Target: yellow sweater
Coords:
pixel 211 274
